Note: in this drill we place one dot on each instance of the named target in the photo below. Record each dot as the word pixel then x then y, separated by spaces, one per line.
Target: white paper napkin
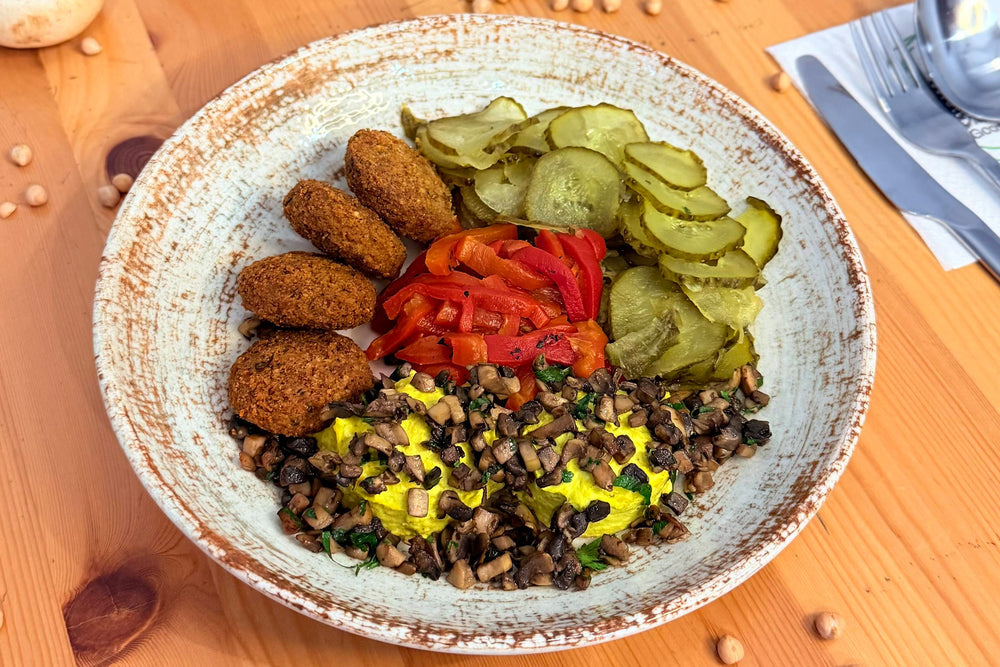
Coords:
pixel 835 48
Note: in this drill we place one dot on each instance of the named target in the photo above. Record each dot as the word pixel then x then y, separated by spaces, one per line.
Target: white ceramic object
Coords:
pixel 27 24
pixel 209 203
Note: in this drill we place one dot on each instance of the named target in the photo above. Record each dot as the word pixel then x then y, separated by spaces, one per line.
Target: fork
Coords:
pixel 906 99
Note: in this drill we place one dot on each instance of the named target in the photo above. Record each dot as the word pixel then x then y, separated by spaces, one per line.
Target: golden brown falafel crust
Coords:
pixel 300 289
pixel 400 185
pixel 342 227
pixel 284 382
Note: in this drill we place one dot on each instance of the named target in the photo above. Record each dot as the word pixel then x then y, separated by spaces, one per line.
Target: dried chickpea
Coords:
pixel 610 6
pixel 7 209
pixel 730 650
pixel 90 46
pixel 109 196
pixel 581 5
pixel 481 6
pixel 829 625
pixel 653 7
pixel 559 5
pixel 35 195
pixel 781 82
pixel 123 182
pixel 20 154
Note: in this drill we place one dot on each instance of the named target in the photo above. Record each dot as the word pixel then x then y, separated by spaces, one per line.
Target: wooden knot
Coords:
pixel 131 155
pixel 109 613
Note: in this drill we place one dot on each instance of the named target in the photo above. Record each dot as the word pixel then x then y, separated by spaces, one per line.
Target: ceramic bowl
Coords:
pixel 209 203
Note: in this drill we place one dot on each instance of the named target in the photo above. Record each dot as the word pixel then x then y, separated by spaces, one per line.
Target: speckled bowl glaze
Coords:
pixel 209 203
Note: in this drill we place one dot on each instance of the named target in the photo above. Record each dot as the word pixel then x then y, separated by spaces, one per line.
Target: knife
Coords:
pixel 891 169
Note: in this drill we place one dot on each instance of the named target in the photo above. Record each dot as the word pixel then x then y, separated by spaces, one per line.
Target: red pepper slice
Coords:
pixel 467 349
pixel 441 254
pixel 381 322
pixel 548 242
pixel 507 248
pixel 595 240
pixel 486 321
pixel 518 350
pixel 588 344
pixel 406 328
pixel 527 391
pixel 459 375
pixel 590 278
pixel 550 267
pixel 511 325
pixel 426 350
pixel 447 315
pixel 490 293
pixel 482 259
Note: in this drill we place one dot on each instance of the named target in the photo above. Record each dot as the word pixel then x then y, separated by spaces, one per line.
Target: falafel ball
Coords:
pixel 400 185
pixel 339 225
pixel 284 382
pixel 300 289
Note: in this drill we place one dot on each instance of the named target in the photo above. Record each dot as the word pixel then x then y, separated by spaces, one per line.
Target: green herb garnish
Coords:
pixel 567 477
pixel 311 513
pixel 271 475
pixel 339 535
pixel 368 420
pixel 479 403
pixel 584 405
pixel 725 394
pixel 364 540
pixel 432 477
pixel 489 472
pixel 289 513
pixel 588 556
pixel 658 526
pixel 324 538
pixel 632 484
pixel 690 496
pixel 554 373
pixel 703 409
pixel 677 406
pixel 366 564
pixel 760 381
pixel 750 441
pixel 363 506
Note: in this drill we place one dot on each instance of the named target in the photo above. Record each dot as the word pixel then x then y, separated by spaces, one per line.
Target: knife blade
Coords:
pixel 890 168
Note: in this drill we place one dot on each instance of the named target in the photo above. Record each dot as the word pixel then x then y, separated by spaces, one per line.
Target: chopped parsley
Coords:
pixel 632 484
pixel 367 564
pixel 364 540
pixel 339 535
pixel 290 514
pixel 588 556
pixel 368 420
pixel 363 506
pixel 489 472
pixel 311 513
pixel 725 394
pixel 479 403
pixel 703 409
pixel 584 405
pixel 690 496
pixel 677 406
pixel 750 441
pixel 658 526
pixel 271 475
pixel 432 477
pixel 324 538
pixel 554 373
pixel 760 381
pixel 567 476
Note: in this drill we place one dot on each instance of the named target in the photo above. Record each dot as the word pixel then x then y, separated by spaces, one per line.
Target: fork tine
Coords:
pixel 885 60
pixel 865 53
pixel 888 30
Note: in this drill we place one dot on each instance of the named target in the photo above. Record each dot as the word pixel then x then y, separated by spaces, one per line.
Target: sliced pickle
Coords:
pixel 739 352
pixel 698 340
pixel 604 128
pixel 574 187
pixel 639 296
pixel 634 352
pixel 630 225
pixel 475 206
pixel 678 168
pixel 734 269
pixel 702 203
pixel 735 307
pixel 530 137
pixel 763 231
pixel 690 239
pixel 476 139
pixel 410 122
pixel 502 187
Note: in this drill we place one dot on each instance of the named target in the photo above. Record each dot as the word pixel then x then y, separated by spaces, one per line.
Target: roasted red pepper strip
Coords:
pixel 507 248
pixel 528 389
pixel 595 240
pixel 588 344
pixel 482 259
pixel 467 349
pixel 405 330
pixel 550 267
pixel 447 315
pixel 381 322
pixel 511 325
pixel 441 254
pixel 486 321
pixel 518 350
pixel 548 242
pixel 490 293
pixel 589 277
pixel 459 375
pixel 426 350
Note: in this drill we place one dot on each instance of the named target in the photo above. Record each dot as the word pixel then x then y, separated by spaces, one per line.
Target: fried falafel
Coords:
pixel 284 382
pixel 342 227
pixel 400 185
pixel 300 289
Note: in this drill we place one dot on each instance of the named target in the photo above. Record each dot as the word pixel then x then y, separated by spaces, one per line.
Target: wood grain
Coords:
pixel 906 548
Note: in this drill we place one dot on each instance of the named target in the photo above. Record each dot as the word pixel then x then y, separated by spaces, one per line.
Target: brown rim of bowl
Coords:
pixel 254 573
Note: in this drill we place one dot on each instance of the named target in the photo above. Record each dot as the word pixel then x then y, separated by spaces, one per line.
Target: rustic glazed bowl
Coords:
pixel 209 203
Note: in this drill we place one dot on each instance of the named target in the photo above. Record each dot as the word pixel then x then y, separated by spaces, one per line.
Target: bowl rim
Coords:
pixel 251 572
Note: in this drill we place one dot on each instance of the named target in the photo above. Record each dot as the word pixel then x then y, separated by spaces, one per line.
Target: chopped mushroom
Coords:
pixel 604 476
pixel 388 555
pixel 562 424
pixel 750 379
pixel 422 382
pixel 440 412
pixel 416 503
pixel 393 433
pixel 461 575
pixel 378 443
pixel 494 568
pixel 486 521
pixel 548 457
pixel 414 466
pixel 529 456
pixel 615 548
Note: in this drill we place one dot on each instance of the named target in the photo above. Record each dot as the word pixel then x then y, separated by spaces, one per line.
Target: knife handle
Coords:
pixel 983 243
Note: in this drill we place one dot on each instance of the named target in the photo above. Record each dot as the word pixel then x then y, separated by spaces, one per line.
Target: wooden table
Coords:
pixel 906 548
